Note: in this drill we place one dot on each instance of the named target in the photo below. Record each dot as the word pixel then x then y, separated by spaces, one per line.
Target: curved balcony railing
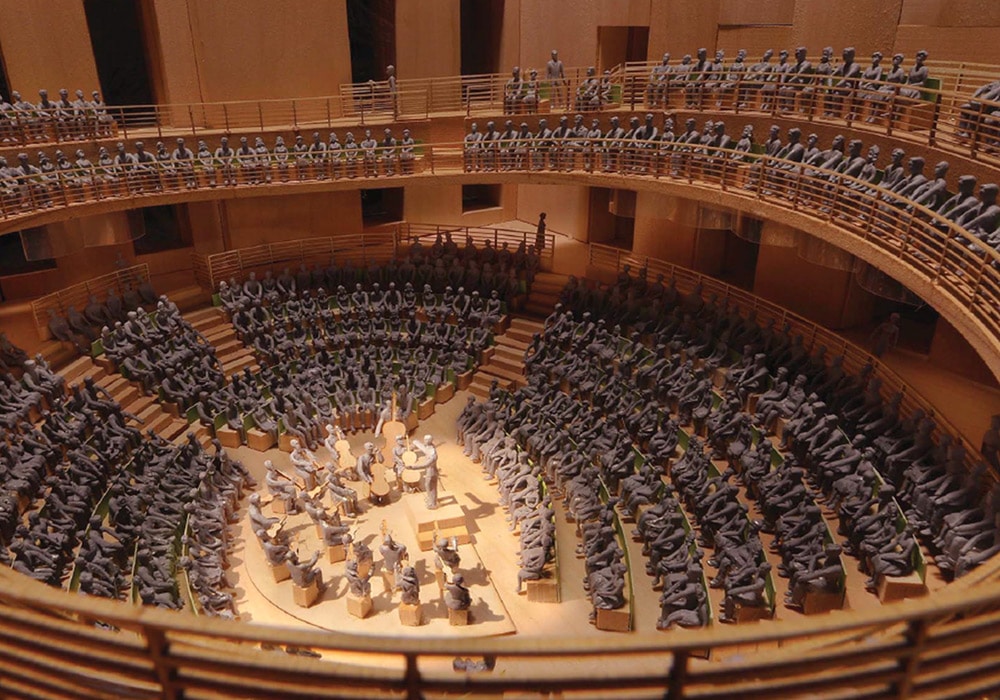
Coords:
pixel 940 261
pixel 56 644
pixel 358 248
pixel 937 117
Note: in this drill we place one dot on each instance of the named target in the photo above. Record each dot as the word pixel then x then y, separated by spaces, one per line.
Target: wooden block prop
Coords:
pixel 440 579
pixel 278 506
pixel 229 437
pixel 280 572
pixel 458 618
pixel 613 620
pixel 464 380
pixel 285 442
pixel 172 408
pixel 444 392
pixel 107 364
pixel 893 588
pixel 543 590
pixel 411 421
pixel 411 615
pixel 426 409
pixel 359 607
pixel 816 603
pixel 752 613
pixel 305 597
pixel 259 440
pixel 485 355
pixel 338 553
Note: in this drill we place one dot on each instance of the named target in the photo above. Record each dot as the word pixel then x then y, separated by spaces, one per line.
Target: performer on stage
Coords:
pixel 430 467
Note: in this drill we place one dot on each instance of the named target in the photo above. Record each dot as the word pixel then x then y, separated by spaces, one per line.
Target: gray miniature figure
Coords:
pixel 456 594
pixel 429 465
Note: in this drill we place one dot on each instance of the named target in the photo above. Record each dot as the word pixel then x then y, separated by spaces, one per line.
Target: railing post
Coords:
pixel 295 116
pixel 412 678
pixel 328 122
pixel 225 116
pixel 935 118
pixel 260 115
pixel 916 635
pixel 678 676
pixel 194 132
pixel 159 650
pixel 121 119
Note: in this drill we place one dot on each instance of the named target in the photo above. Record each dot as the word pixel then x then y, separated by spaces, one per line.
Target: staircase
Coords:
pixel 129 396
pixel 506 362
pixel 233 355
pixel 544 294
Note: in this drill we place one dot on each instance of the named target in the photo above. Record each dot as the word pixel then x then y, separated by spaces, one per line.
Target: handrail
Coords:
pixel 362 247
pixel 947 258
pixel 78 294
pixel 935 118
pixel 814 335
pixel 166 654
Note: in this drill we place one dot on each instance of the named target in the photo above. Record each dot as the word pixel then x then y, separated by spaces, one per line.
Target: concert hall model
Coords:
pixel 499 348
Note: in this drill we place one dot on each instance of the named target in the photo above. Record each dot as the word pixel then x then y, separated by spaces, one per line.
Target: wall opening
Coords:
pixel 616 45
pixel 118 37
pixel 156 229
pixel 482 28
pixel 371 30
pixel 381 206
pixel 475 197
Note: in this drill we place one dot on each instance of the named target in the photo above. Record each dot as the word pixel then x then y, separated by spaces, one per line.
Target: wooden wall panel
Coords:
pixel 428 38
pixel 47 45
pixel 755 40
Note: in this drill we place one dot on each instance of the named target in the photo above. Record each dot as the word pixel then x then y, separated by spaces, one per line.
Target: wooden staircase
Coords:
pixel 232 353
pixel 544 294
pixel 129 396
pixel 505 362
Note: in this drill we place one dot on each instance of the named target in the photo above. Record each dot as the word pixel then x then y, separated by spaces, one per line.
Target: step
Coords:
pixel 515 344
pixel 227 346
pixel 75 370
pixel 160 422
pixel 217 334
pixel 231 368
pixel 140 404
pixel 504 374
pixel 508 354
pixel 519 336
pixel 515 366
pixel 126 393
pixel 539 309
pixel 209 312
pixel 58 354
pixel 554 287
pixel 173 429
pixel 149 413
pixel 526 324
pixel 94 372
pixel 188 298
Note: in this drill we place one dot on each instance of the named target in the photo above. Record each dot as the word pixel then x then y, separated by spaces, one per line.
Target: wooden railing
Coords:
pixel 936 118
pixel 813 335
pixel 920 247
pixel 358 248
pixel 427 233
pixel 79 294
pixel 941 647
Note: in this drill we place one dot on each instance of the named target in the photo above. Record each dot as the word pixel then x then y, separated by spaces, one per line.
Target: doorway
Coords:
pixel 617 45
pixel 482 26
pixel 371 30
pixel 118 37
